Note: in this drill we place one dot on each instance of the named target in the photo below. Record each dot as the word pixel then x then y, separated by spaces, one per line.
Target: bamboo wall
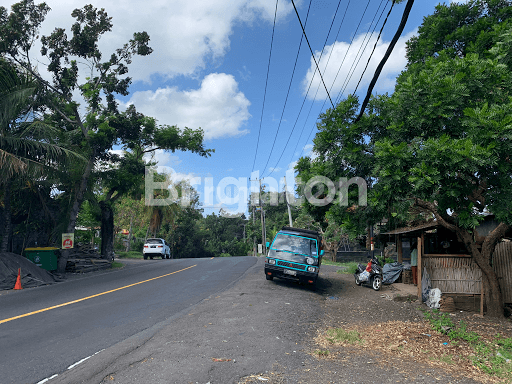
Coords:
pixel 502 264
pixel 454 274
pixel 459 274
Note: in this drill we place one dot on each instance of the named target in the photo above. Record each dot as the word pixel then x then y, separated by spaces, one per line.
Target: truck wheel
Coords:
pixel 269 277
pixel 145 257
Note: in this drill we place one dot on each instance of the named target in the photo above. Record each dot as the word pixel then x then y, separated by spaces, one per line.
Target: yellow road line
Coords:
pixel 90 297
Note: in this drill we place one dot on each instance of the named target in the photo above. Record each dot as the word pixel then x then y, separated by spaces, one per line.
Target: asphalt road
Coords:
pixel 45 330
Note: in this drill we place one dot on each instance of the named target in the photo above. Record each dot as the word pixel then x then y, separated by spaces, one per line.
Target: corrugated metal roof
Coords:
pixel 412 229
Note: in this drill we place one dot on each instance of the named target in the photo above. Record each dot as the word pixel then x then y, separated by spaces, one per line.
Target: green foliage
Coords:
pixel 130 255
pixel 383 260
pixel 116 264
pixel 491 357
pixel 339 335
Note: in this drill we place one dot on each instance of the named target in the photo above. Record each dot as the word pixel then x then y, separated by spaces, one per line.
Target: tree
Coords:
pixel 29 148
pixel 103 80
pixel 18 32
pixel 445 143
pixel 139 136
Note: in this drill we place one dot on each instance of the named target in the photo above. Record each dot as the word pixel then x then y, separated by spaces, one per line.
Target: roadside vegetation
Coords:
pixel 492 355
pixel 129 255
pixel 437 148
pixel 471 349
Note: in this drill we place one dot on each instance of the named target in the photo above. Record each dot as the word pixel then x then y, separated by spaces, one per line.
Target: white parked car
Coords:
pixel 156 248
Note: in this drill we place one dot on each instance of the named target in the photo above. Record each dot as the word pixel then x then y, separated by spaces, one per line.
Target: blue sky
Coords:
pixel 209 69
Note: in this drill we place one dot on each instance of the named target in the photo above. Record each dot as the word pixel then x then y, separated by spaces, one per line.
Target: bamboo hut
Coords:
pixel 449 266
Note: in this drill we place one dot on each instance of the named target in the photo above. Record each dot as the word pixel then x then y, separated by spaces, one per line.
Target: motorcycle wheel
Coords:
pixel 358 282
pixel 376 283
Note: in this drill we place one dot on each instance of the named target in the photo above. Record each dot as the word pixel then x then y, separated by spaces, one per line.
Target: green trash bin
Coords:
pixel 43 257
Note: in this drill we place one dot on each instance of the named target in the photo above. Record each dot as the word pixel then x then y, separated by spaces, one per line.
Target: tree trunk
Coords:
pixel 107 231
pixel 492 291
pixel 7 227
pixel 73 213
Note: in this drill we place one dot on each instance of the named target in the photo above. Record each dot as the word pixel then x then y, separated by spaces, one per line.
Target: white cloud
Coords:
pixel 308 148
pixel 292 165
pixel 184 34
pixel 346 78
pixel 218 107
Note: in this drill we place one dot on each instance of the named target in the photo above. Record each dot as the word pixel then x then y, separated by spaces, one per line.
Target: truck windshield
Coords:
pixel 294 244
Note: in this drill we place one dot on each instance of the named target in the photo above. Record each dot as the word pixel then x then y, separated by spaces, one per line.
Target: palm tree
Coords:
pixel 27 146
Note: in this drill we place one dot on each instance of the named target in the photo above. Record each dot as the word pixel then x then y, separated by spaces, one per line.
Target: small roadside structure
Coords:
pixel 450 267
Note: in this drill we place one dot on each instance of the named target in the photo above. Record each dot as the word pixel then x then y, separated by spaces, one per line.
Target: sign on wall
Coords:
pixel 68 240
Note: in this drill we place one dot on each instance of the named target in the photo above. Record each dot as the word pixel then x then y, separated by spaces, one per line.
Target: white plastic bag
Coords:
pixel 434 296
pixel 363 276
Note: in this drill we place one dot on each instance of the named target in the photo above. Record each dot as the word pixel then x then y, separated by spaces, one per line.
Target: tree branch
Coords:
pixel 432 208
pixel 493 237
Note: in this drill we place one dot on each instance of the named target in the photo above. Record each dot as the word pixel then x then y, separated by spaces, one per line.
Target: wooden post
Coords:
pixel 482 297
pixel 399 250
pixel 420 251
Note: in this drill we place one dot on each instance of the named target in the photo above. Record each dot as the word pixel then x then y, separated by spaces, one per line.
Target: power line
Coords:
pixel 337 73
pixel 266 83
pixel 375 45
pixel 312 54
pixel 360 53
pixel 392 44
pixel 287 94
pixel 311 82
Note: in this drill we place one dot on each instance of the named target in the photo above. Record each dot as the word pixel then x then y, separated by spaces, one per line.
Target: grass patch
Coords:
pixel 115 264
pixel 447 359
pixel 129 255
pixel 492 357
pixel 321 353
pixel 339 335
pixel 348 268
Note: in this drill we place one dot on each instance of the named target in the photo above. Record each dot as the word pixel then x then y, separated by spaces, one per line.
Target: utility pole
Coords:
pixel 287 203
pixel 263 239
pixel 254 238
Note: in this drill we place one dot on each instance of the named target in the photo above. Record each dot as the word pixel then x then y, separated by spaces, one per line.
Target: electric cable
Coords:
pixel 337 74
pixel 334 81
pixel 360 53
pixel 312 54
pixel 347 79
pixel 287 94
pixel 375 45
pixel 266 83
pixel 392 44
pixel 310 83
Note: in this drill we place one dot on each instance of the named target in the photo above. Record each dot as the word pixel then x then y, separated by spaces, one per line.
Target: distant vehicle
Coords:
pixel 156 248
pixel 295 254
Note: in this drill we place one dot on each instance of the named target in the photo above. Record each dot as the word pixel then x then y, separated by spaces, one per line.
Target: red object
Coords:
pixel 369 266
pixel 414 270
pixel 18 280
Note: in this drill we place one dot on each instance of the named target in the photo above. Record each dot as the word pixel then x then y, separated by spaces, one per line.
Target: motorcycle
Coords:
pixel 370 274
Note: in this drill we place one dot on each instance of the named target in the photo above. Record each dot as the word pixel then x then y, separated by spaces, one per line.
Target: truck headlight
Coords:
pixel 311 269
pixel 271 261
pixel 310 260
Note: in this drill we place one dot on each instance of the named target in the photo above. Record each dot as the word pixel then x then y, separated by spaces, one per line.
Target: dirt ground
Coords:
pixel 395 332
